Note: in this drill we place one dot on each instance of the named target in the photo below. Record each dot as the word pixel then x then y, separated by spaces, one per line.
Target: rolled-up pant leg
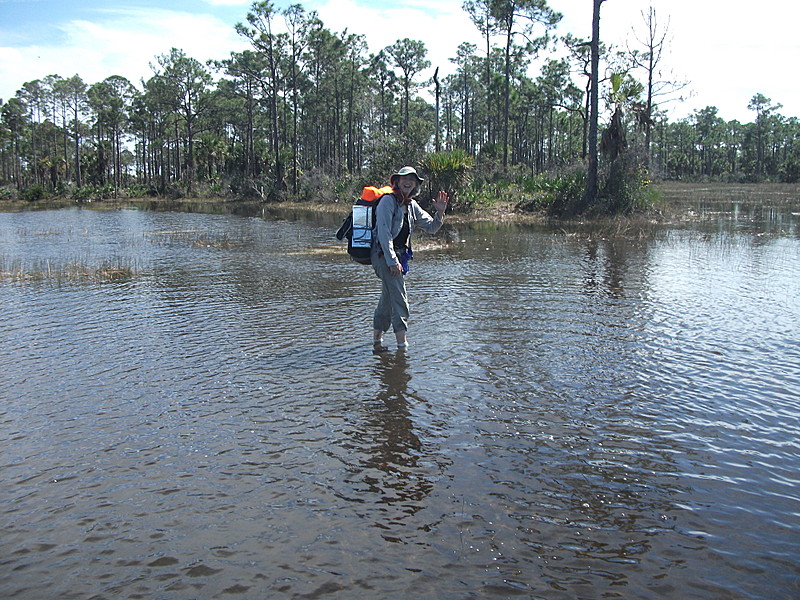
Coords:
pixel 392 307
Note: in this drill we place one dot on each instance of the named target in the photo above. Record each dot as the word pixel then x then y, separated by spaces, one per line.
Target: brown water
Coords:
pixel 577 417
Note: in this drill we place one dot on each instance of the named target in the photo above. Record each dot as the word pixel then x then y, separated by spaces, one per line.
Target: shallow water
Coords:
pixel 577 417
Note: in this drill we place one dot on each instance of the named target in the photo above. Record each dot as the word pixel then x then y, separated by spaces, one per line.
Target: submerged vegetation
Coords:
pixel 307 114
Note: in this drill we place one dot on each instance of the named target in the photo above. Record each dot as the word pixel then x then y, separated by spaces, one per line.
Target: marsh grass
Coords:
pixel 71 272
pixel 90 269
pixel 213 241
pixel 782 194
pixel 692 202
pixel 193 237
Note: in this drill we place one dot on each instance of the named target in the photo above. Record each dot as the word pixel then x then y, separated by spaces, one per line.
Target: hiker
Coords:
pixel 394 213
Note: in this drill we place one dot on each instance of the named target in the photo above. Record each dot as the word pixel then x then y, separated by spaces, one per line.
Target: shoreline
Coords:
pixel 678 204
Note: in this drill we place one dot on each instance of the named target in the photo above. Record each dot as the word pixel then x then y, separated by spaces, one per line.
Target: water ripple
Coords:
pixel 574 417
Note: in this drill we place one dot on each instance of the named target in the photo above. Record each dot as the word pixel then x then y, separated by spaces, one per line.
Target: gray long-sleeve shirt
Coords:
pixel 389 221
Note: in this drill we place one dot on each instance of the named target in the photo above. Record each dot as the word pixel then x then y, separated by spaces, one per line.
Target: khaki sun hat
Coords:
pixel 406 171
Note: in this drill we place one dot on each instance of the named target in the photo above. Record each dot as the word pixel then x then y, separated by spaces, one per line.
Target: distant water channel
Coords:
pixel 190 408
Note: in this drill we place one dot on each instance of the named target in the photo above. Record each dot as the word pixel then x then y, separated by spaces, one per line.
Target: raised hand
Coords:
pixel 440 203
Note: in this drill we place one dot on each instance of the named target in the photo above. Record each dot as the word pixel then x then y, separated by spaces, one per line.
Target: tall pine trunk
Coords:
pixel 590 193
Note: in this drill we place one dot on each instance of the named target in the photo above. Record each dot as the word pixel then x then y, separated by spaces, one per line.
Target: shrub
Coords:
pixel 473 198
pixel 32 193
pixel 623 189
pixel 450 171
pixel 139 190
pixel 553 193
pixel 92 192
pixel 8 193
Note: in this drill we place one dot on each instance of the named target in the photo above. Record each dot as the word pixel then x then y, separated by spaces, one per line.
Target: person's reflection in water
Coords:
pixel 393 470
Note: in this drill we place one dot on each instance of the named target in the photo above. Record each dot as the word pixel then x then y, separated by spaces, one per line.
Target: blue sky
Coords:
pixel 727 54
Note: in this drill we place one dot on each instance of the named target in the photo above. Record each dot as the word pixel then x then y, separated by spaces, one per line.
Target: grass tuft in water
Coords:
pixel 73 272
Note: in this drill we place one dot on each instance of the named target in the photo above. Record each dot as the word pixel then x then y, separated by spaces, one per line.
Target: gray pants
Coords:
pixel 392 308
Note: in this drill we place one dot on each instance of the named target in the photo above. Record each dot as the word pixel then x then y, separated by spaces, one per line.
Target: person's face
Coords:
pixel 406 184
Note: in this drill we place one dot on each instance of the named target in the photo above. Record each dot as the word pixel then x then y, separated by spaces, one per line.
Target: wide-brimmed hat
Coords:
pixel 406 171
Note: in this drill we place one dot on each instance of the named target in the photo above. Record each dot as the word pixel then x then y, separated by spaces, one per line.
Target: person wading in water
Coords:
pixel 398 211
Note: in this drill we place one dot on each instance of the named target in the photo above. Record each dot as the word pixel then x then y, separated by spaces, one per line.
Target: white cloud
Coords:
pixel 124 42
pixel 441 24
pixel 245 3
pixel 728 55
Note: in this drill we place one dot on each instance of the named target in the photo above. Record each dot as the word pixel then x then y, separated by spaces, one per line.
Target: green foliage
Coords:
pixel 32 193
pixel 483 196
pixel 139 190
pixel 311 111
pixel 8 193
pixel 623 190
pixel 317 186
pixel 450 171
pixel 473 199
pixel 490 161
pixel 624 88
pixel 386 154
pixel 247 188
pixel 790 170
pixel 650 197
pixel 92 192
pixel 553 193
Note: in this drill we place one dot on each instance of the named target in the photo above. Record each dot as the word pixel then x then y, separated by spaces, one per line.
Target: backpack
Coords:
pixel 359 225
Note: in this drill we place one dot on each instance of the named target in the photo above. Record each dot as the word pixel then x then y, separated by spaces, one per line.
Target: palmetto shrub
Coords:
pixel 450 171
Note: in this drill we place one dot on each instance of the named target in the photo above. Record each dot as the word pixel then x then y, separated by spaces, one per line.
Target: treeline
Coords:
pixel 306 112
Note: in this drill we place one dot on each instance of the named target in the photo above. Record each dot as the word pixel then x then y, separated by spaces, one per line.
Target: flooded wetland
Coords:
pixel 190 408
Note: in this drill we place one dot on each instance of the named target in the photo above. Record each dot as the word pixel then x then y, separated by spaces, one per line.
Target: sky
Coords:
pixel 726 51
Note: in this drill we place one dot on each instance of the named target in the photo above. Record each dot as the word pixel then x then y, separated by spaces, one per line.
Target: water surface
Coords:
pixel 578 416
